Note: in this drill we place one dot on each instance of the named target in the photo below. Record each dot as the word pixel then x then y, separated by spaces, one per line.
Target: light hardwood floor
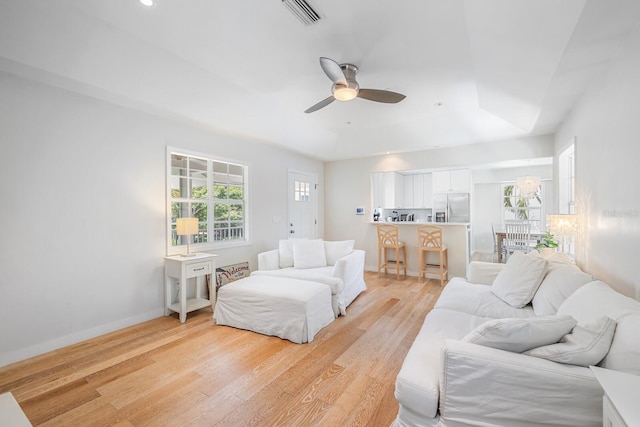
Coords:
pixel 162 372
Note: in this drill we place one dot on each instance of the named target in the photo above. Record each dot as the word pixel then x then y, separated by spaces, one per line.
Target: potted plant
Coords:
pixel 547 244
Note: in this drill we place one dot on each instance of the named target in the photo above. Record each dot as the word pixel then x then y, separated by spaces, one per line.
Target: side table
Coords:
pixel 182 269
pixel 621 397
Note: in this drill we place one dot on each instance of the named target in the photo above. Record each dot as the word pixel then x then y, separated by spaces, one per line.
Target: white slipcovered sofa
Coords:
pixel 500 350
pixel 334 263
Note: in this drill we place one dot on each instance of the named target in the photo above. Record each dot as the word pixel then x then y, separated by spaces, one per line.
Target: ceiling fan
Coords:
pixel 345 87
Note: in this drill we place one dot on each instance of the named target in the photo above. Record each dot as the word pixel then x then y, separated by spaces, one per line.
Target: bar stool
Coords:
pixel 430 240
pixel 388 239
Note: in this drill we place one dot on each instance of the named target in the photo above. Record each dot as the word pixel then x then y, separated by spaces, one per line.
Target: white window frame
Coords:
pixel 210 201
pixel 540 210
pixel 567 180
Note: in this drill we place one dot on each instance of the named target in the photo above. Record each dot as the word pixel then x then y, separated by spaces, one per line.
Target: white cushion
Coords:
pixel 478 300
pixel 309 253
pixel 597 299
pixel 519 279
pixel 586 345
pixel 285 253
pixel 336 250
pixel 518 335
pixel 559 282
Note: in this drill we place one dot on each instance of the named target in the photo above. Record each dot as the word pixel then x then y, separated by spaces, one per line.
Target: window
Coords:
pixel 301 191
pixel 516 207
pixel 212 190
pixel 566 181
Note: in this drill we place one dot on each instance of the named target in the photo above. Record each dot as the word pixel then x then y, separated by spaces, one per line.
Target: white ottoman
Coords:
pixel 292 309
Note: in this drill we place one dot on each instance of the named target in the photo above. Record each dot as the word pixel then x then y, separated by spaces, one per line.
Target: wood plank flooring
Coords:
pixel 165 373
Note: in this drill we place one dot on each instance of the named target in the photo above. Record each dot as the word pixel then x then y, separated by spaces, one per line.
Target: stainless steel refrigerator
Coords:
pixel 454 205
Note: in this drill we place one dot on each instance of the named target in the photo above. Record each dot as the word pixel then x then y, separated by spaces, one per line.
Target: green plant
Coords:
pixel 547 241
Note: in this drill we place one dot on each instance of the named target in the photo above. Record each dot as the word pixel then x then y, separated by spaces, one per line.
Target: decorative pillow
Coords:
pixel 597 299
pixel 518 335
pixel 336 250
pixel 308 253
pixel 557 285
pixel 519 279
pixel 586 345
pixel 624 354
pixel 285 251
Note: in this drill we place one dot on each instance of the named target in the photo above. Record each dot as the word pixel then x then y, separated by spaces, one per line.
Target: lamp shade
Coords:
pixel 562 225
pixel 186 226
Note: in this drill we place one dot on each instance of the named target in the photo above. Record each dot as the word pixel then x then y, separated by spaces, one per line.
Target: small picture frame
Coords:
pixel 359 211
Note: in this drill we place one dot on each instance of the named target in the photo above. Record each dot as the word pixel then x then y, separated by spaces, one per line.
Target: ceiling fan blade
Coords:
pixel 332 69
pixel 320 105
pixel 377 95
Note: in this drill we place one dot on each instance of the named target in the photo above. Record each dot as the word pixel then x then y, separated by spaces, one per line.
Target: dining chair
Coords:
pixel 517 236
pixel 496 249
pixel 388 238
pixel 430 240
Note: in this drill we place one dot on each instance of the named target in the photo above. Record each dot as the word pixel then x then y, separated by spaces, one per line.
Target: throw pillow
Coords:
pixel 519 279
pixel 336 250
pixel 558 284
pixel 518 335
pixel 285 251
pixel 586 345
pixel 308 253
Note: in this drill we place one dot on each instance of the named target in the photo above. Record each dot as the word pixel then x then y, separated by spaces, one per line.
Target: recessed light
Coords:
pixel 147 2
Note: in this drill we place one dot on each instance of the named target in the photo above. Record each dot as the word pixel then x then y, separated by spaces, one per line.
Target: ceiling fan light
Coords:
pixel 345 93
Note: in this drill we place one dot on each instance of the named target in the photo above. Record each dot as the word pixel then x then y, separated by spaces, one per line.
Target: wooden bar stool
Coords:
pixel 388 239
pixel 430 240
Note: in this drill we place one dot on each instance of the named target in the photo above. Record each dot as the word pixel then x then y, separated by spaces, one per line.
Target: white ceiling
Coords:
pixel 472 70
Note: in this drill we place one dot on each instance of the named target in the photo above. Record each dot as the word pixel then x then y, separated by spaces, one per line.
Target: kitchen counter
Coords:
pixel 443 224
pixel 454 234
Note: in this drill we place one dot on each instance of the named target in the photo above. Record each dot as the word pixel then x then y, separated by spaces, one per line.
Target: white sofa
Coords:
pixel 335 263
pixel 449 379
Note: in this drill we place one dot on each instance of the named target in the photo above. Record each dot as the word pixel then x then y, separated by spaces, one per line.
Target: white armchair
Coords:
pixel 339 266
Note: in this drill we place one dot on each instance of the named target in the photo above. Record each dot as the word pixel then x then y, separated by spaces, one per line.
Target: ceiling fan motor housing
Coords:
pixel 349 91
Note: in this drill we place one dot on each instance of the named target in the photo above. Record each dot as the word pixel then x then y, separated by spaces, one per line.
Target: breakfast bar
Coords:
pixel 455 236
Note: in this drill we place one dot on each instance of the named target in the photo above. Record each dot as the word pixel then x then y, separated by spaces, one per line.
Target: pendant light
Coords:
pixel 528 185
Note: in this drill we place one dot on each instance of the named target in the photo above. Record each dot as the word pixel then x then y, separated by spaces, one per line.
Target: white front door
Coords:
pixel 303 205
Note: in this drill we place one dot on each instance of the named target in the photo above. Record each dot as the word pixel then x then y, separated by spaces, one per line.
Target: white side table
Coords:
pixel 621 396
pixel 10 412
pixel 182 269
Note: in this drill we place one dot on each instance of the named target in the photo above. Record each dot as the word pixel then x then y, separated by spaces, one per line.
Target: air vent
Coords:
pixel 306 13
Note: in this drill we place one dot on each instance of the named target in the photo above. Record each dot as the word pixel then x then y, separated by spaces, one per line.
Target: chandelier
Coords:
pixel 528 186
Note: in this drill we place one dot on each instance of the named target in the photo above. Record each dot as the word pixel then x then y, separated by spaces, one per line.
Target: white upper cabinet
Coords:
pixel 453 181
pixel 391 190
pixel 427 195
pixel 418 190
pixel 388 190
pixel 377 189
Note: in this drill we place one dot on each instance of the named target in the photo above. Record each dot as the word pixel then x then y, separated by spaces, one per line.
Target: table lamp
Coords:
pixel 187 227
pixel 563 226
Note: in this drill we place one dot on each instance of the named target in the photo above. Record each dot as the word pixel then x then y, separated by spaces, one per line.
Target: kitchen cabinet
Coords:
pixel 427 195
pixel 391 190
pixel 377 189
pixel 387 190
pixel 452 181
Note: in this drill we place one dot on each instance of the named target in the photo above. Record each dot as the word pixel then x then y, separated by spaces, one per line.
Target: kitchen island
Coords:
pixel 456 236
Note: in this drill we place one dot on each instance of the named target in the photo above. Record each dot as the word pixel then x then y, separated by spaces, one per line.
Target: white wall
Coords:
pixel 82 223
pixel 606 124
pixel 348 182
